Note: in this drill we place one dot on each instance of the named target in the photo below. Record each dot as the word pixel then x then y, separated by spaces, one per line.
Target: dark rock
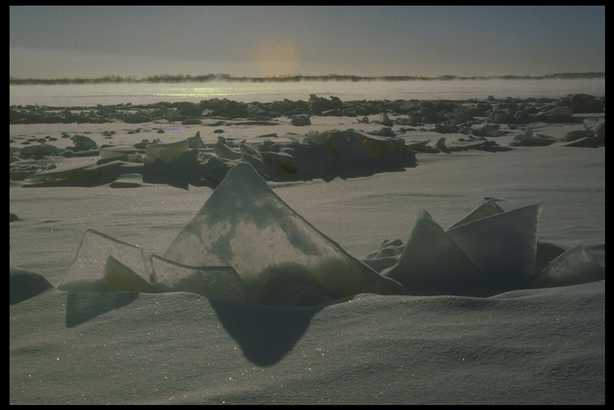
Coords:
pixel 223 150
pixel 557 114
pixel 349 153
pixel 486 130
pixel 492 146
pixel 83 143
pixel 25 168
pixel 582 103
pixel 188 109
pixel 141 145
pixel 521 117
pixel 446 128
pixel 39 151
pixel 409 120
pixel 386 121
pixel 85 176
pixel 178 170
pixel 590 142
pixel 318 105
pixel 14 217
pixel 422 147
pixel 578 134
pixel 441 145
pixel 600 131
pixel 196 142
pixel 192 121
pixel 501 117
pixel 529 139
pixel 89 153
pixel 383 132
pixel 300 120
pixel 132 180
pixel 332 113
pixel 211 170
pixel 280 166
pixel 459 115
pixel 255 111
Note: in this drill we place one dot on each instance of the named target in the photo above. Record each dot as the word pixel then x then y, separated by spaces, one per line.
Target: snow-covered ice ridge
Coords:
pixel 246 245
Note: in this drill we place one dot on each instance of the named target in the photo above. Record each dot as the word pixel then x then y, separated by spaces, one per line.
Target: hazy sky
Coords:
pixel 54 41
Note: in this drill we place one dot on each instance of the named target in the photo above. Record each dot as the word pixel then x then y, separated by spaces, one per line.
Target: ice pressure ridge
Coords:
pixel 246 245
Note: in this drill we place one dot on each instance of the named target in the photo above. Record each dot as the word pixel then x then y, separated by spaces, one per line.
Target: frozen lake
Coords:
pixel 147 93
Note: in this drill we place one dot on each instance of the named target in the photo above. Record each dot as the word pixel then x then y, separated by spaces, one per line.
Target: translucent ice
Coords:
pixel 165 153
pixel 214 282
pixel 487 208
pixel 580 264
pixel 244 224
pixel 431 263
pixel 101 257
pixel 502 246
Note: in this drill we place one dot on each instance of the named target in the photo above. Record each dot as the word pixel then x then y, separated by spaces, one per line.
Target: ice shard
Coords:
pixel 214 282
pixel 165 153
pixel 487 208
pixel 120 277
pixel 245 225
pixel 132 180
pixel 580 264
pixel 431 263
pixel 501 246
pixel 105 263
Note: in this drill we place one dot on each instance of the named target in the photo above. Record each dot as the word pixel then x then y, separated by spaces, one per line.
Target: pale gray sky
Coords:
pixel 88 41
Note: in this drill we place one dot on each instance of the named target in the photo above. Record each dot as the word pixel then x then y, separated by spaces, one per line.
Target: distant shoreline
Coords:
pixel 295 78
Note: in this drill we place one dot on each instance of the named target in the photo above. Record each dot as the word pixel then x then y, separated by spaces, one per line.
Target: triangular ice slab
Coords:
pixel 580 264
pixel 502 246
pixel 120 277
pixel 132 180
pixel 214 282
pixel 244 224
pixel 165 153
pixel 431 263
pixel 487 208
pixel 100 256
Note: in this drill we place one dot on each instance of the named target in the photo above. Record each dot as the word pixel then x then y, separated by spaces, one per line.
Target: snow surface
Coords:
pixel 532 346
pixel 524 346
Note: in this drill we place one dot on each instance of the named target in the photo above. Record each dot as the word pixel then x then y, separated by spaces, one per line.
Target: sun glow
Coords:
pixel 279 57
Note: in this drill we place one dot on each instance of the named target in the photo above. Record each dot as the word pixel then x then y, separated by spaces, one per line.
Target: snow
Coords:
pixel 533 346
pixel 524 346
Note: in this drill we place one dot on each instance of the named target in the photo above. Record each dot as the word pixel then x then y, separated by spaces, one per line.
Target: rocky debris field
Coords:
pixel 377 136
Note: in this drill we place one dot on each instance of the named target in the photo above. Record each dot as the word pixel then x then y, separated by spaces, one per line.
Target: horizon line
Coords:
pixel 174 78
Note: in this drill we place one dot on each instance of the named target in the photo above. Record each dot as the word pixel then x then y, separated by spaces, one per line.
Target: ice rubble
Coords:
pixel 503 245
pixel 582 263
pixel 246 245
pixel 432 263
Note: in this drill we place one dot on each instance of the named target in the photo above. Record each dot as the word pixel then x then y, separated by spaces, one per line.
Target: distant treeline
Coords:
pixel 329 77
